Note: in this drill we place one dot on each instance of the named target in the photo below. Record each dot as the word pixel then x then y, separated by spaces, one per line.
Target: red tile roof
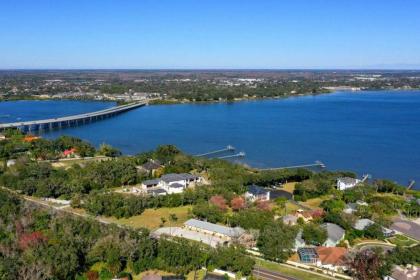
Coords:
pixel 69 151
pixel 332 255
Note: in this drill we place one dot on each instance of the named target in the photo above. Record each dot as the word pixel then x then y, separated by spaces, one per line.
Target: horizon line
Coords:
pixel 214 69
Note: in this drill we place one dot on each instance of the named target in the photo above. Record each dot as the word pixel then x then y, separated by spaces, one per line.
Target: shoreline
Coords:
pixel 185 101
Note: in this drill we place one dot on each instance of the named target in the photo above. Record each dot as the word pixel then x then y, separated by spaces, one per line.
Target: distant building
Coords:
pixel 214 229
pixel 350 208
pixel 30 138
pixel 345 183
pixel 404 273
pixel 208 233
pixel 2 137
pixel 362 224
pixel 290 220
pixel 353 207
pixel 150 167
pixel 171 183
pixel 255 192
pixel 309 215
pixel 10 162
pixel 334 234
pixel 147 184
pixel 69 152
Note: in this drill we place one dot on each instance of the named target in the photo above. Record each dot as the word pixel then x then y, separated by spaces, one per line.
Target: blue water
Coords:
pixel 370 132
pixel 26 110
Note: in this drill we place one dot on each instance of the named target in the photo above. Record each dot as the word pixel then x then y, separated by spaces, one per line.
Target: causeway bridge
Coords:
pixel 62 122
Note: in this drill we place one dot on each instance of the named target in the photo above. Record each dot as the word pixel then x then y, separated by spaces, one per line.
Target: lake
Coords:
pixel 367 132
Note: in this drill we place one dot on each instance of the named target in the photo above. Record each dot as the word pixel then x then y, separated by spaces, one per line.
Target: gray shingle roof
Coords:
pixel 256 190
pixel 150 165
pixel 176 185
pixel 348 180
pixel 362 224
pixel 335 232
pixel 172 177
pixel 228 231
pixel 151 182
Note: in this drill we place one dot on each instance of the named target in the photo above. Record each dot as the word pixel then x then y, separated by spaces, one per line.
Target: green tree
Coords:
pixel 276 241
pixel 374 231
pixel 314 234
pixel 108 150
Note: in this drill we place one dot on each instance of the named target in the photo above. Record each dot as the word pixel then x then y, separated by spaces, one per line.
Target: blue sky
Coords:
pixel 209 34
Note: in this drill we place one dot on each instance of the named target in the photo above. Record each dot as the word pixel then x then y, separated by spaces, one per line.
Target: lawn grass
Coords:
pixel 199 275
pixel 401 240
pixel 291 208
pixel 288 271
pixel 289 187
pixel 314 203
pixel 67 163
pixel 151 218
pixel 158 272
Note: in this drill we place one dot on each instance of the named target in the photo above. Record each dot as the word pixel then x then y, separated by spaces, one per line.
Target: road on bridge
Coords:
pixel 75 118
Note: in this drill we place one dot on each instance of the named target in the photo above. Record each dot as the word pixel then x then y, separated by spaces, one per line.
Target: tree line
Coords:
pixel 39 244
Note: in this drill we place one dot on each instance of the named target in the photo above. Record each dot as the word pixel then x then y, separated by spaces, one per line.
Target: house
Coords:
pixel 171 183
pixel 290 220
pixel 308 255
pixel 309 215
pixel 224 232
pixel 150 167
pixel 388 232
pixel 174 188
pixel 2 137
pixel 334 234
pixel 184 179
pixel 30 138
pixel 177 183
pixel 362 224
pixel 255 192
pixel 344 183
pixel 332 258
pixel 350 208
pixel 305 215
pixel 404 273
pixel 69 152
pixel 211 234
pixel 147 184
pixel 353 207
pixel 10 162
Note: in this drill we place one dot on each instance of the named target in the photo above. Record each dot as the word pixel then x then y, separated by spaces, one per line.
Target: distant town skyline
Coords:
pixel 187 34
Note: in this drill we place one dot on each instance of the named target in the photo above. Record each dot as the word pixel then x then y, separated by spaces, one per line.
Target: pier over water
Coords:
pixel 68 121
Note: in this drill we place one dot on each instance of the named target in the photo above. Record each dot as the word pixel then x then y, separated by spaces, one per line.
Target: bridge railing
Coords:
pixel 73 118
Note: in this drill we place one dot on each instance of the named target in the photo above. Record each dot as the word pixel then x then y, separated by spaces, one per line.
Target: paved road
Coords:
pixel 116 110
pixel 264 274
